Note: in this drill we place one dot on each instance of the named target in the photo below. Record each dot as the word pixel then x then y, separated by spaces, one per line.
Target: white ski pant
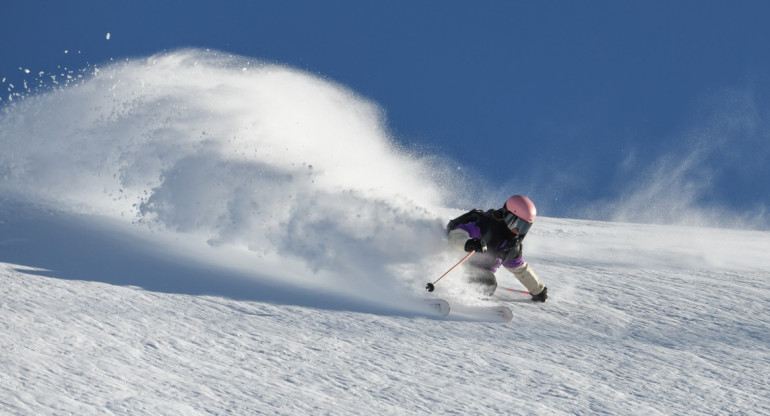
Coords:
pixel 528 278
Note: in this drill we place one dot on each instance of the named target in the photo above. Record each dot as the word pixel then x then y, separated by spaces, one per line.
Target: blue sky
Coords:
pixel 582 105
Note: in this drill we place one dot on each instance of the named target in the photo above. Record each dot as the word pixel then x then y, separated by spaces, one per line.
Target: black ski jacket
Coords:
pixel 503 246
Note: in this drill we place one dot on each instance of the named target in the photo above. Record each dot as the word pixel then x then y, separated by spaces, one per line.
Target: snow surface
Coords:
pixel 195 233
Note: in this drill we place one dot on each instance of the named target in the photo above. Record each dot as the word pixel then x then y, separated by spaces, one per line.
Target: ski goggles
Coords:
pixel 515 223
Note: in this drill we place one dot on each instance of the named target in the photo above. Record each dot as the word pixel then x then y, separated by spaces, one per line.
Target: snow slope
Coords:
pixel 200 234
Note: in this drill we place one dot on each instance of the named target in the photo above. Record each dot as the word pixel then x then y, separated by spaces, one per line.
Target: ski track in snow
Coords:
pixel 209 236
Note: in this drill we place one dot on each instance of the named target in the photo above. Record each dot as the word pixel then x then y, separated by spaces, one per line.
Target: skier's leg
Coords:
pixel 528 278
pixel 485 278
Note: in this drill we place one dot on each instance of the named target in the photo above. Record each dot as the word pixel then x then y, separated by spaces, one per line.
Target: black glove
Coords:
pixel 475 244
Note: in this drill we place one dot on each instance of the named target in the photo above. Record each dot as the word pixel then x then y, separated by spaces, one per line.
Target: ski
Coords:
pixel 494 313
pixel 440 306
pixel 505 313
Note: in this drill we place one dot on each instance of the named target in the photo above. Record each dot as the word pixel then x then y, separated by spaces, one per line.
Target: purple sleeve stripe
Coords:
pixel 471 228
pixel 514 263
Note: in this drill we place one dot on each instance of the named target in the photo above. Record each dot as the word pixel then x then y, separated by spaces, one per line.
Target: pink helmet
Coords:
pixel 522 208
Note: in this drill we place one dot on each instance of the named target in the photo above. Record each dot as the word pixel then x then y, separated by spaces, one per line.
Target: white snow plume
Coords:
pixel 699 180
pixel 230 158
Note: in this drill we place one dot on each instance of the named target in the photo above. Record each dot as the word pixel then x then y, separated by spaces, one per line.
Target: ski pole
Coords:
pixel 430 286
pixel 508 289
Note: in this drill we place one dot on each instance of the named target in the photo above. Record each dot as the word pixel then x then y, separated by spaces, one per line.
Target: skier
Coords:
pixel 496 236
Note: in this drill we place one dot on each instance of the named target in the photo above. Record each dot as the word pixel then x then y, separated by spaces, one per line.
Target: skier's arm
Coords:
pixel 469 217
pixel 457 239
pixel 467 237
